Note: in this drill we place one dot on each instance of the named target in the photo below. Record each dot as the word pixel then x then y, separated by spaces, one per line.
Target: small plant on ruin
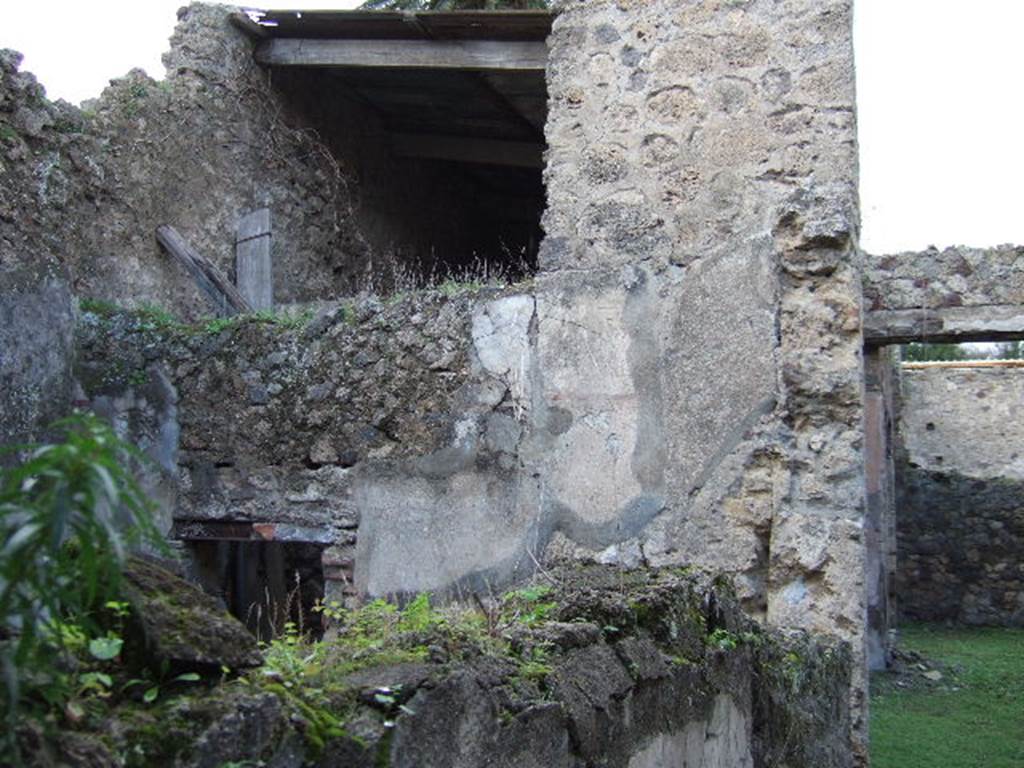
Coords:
pixel 528 605
pixel 309 676
pixel 146 317
pixel 723 640
pixel 392 276
pixel 68 515
pixel 535 665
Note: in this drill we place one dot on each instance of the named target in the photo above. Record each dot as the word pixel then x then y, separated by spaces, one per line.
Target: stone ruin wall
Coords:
pixel 36 309
pixel 83 178
pixel 960 503
pixel 698 307
pixel 79 204
pixel 278 426
pixel 225 138
pixel 946 279
pixel 681 385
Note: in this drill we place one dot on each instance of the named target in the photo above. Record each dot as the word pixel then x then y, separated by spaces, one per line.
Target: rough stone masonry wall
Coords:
pixel 958 293
pixel 952 277
pixel 36 316
pixel 960 504
pixel 288 426
pixel 698 387
pixel 82 191
pixel 197 150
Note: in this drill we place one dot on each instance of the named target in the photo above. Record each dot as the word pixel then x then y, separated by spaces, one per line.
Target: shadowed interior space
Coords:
pixel 438 119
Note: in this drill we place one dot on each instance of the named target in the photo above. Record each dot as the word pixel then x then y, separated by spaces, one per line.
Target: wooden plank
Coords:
pixel 253 266
pixel 491 94
pixel 491 25
pixel 254 224
pixel 224 296
pixel 398 25
pixel 526 92
pixel 473 55
pixel 212 530
pixel 468 150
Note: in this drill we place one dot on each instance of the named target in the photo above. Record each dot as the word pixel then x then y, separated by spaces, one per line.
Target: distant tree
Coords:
pixel 1011 350
pixel 453 5
pixel 917 352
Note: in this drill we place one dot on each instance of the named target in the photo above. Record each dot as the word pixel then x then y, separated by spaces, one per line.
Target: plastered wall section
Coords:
pixel 963 420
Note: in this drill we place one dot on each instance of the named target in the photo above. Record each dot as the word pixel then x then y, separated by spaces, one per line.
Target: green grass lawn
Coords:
pixel 972 718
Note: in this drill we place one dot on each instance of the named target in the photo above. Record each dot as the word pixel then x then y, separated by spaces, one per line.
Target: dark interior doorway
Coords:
pixel 268 585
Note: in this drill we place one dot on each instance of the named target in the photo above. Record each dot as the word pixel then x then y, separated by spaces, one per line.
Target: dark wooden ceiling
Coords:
pixel 464 86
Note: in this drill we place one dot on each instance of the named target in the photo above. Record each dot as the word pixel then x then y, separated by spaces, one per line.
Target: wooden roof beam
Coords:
pixel 462 149
pixel 470 55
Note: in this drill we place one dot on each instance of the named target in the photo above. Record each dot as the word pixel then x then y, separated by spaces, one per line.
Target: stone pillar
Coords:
pixel 699 301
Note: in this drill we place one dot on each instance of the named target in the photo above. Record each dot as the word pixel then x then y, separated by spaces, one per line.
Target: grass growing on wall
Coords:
pixel 972 718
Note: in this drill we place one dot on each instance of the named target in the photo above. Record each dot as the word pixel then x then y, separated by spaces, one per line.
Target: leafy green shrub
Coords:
pixel 919 352
pixel 68 515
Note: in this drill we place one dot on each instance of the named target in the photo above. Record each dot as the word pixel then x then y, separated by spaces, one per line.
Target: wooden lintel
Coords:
pixel 944 325
pixel 472 55
pixel 428 146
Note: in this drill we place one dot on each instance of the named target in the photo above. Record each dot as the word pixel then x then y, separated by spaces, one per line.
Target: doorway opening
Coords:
pixel 944 466
pixel 271 586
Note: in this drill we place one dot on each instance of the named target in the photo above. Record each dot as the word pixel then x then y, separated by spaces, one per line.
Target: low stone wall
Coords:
pixel 622 669
pixel 304 426
pixel 960 495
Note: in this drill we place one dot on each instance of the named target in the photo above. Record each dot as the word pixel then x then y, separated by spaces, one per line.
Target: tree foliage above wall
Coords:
pixel 1011 350
pixel 453 5
pixel 917 352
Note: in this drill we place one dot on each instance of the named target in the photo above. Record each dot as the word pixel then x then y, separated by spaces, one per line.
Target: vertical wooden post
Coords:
pixel 253 267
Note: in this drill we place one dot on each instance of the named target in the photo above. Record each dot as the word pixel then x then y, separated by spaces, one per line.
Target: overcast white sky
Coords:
pixel 940 95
